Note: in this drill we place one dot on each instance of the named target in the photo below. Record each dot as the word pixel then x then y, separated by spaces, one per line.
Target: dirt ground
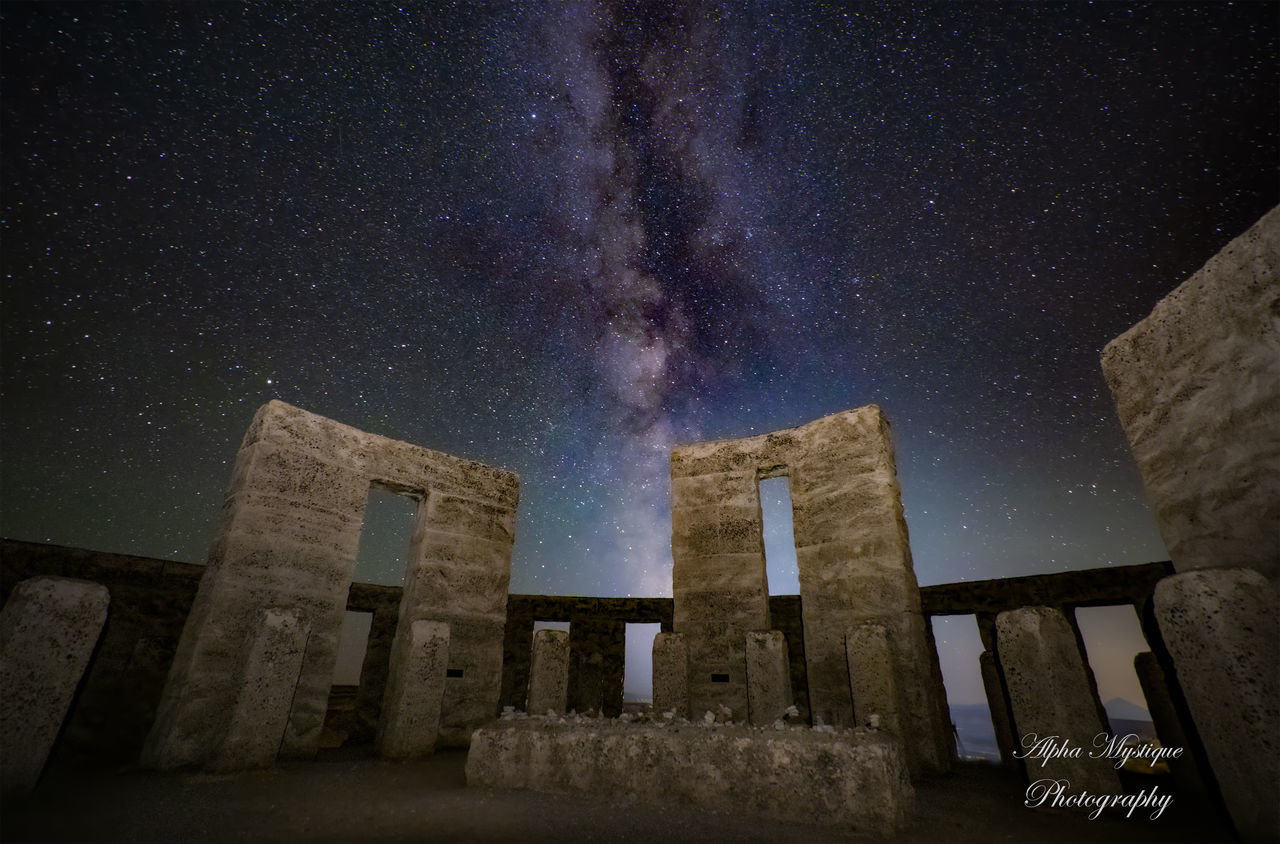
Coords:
pixel 348 796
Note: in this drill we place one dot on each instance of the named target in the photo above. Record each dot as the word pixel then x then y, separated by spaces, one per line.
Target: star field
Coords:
pixel 562 237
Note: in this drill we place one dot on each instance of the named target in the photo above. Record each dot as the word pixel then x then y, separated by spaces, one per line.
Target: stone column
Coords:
pixel 1053 701
pixel 871 680
pixel 549 673
pixel 267 679
pixel 768 677
pixel 670 675
pixel 1164 715
pixel 1001 721
pixel 415 691
pixel 1221 629
pixel 48 629
pixel 597 659
pixel 517 650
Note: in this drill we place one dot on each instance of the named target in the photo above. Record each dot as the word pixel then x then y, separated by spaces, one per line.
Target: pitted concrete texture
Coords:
pixel 853 557
pixel 48 629
pixel 670 674
pixel 1053 700
pixel 871 678
pixel 290 529
pixel 768 677
pixel 1222 629
pixel 415 691
pixel 853 779
pixel 1197 388
pixel 266 684
pixel 549 674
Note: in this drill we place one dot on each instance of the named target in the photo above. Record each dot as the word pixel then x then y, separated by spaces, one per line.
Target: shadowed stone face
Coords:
pixel 1222 628
pixel 288 539
pixel 854 564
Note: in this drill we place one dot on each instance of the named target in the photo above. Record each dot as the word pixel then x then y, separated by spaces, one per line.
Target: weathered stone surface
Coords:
pixel 549 674
pixel 993 686
pixel 1197 388
pixel 768 677
pixel 871 678
pixel 1164 717
pixel 265 687
pixel 1222 629
pixel 670 674
pixel 855 780
pixel 290 530
pixel 854 564
pixel 415 691
pixel 48 629
pixel 1053 699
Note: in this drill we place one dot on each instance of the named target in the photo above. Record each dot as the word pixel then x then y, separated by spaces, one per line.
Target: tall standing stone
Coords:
pixel 1053 699
pixel 1164 717
pixel 768 677
pixel 993 686
pixel 48 629
pixel 670 675
pixel 549 673
pixel 1222 629
pixel 1197 388
pixel 871 677
pixel 415 691
pixel 265 691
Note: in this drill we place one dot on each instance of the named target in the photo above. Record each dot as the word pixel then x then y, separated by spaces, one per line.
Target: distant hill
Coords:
pixel 1124 710
pixel 975 736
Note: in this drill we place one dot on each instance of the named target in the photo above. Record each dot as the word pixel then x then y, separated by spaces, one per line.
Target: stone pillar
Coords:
pixel 415 691
pixel 1222 631
pixel 670 675
pixel 768 677
pixel 549 673
pixel 373 676
pixel 1197 388
pixel 267 679
pixel 871 680
pixel 1052 699
pixel 1164 715
pixel 1001 721
pixel 48 629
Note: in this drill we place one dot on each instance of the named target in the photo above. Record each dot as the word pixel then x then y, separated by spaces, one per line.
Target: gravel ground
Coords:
pixel 347 796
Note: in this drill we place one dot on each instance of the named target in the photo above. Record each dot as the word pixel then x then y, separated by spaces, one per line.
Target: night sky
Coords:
pixel 561 237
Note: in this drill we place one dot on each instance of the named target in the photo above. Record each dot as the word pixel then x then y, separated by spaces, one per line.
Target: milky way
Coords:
pixel 563 237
